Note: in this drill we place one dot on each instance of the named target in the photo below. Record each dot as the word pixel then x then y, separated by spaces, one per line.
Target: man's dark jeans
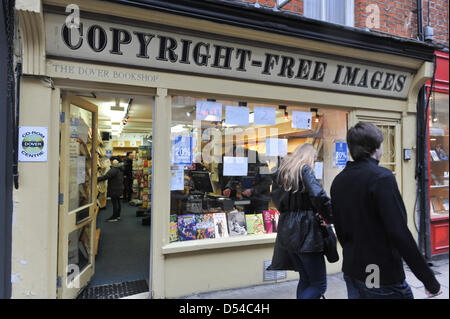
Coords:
pixel 116 206
pixel 358 290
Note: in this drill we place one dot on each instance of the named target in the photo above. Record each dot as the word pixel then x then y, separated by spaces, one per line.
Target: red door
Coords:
pixel 438 130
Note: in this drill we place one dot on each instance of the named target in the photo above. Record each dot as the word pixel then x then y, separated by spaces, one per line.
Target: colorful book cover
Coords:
pixel 434 156
pixel 205 226
pixel 271 220
pixel 441 152
pixel 259 224
pixel 221 225
pixel 236 223
pixel 250 219
pixel 445 203
pixel 173 230
pixel 187 229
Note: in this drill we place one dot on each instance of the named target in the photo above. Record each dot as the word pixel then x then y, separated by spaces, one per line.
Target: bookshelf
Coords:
pixel 439 176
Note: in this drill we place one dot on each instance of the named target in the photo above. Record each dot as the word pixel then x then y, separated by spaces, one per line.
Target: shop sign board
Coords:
pixel 32 144
pixel 114 43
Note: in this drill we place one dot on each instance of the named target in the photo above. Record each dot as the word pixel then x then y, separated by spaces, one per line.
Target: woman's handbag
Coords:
pixel 329 244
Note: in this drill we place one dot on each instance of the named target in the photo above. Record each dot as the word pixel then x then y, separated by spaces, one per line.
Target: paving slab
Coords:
pixel 336 287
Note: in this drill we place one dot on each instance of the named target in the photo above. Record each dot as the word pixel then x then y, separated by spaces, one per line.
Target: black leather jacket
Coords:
pixel 298 226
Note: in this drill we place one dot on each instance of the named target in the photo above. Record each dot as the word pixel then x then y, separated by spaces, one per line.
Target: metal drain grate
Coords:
pixel 115 291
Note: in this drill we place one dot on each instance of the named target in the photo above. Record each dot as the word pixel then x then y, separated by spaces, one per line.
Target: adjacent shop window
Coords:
pixel 335 11
pixel 224 155
pixel 80 179
pixel 439 148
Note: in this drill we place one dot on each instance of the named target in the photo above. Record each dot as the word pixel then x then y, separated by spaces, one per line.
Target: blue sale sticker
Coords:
pixel 182 150
pixel 341 157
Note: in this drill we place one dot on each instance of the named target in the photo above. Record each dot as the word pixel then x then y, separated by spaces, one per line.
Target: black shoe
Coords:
pixel 118 218
pixel 112 219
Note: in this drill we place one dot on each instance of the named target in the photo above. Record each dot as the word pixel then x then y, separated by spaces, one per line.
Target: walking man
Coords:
pixel 370 222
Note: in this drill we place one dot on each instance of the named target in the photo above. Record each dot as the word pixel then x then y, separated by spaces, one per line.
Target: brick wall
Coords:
pixel 399 17
pixel 396 17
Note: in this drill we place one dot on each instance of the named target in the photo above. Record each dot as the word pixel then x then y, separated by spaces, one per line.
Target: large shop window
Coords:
pixel 439 122
pixel 224 155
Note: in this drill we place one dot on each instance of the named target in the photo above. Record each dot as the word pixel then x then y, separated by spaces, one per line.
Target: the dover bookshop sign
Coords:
pixel 130 45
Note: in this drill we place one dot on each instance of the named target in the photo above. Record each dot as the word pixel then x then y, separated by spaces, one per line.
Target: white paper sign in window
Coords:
pixel 301 120
pixel 264 115
pixel 235 166
pixel 237 115
pixel 318 170
pixel 176 180
pixel 208 111
pixel 276 147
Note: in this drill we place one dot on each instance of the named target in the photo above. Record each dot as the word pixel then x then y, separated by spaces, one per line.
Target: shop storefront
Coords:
pixel 438 121
pixel 228 101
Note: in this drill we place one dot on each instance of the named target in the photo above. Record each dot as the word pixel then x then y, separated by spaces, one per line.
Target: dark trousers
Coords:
pixel 313 275
pixel 116 206
pixel 358 290
pixel 127 187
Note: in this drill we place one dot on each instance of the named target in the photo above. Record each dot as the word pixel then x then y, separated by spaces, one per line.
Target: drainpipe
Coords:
pixel 420 20
pixel 422 153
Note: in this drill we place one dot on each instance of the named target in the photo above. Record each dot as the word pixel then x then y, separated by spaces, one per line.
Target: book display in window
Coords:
pixel 236 223
pixel 187 229
pixel 221 225
pixel 173 233
pixel 204 224
pixel 439 173
pixel 271 220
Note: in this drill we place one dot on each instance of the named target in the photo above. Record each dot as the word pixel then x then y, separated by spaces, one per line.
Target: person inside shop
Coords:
pixel 128 177
pixel 115 185
pixel 254 187
pixel 370 221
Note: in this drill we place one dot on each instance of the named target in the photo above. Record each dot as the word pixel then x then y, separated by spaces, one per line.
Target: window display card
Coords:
pixel 340 154
pixel 264 115
pixel 81 169
pixel 318 170
pixel 176 180
pixel 235 166
pixel 237 115
pixel 301 120
pixel 208 111
pixel 276 147
pixel 181 150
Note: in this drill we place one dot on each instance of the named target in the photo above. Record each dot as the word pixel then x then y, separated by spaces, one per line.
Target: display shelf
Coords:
pixel 217 243
pixel 102 167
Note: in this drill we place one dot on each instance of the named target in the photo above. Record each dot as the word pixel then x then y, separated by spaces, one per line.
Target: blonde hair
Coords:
pixel 289 173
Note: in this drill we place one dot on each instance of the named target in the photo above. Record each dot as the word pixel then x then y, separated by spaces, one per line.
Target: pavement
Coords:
pixel 336 287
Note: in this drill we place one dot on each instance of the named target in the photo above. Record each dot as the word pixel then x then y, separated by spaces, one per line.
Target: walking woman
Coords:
pixel 304 206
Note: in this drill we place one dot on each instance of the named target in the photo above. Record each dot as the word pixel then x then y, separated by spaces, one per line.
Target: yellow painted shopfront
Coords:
pixel 216 87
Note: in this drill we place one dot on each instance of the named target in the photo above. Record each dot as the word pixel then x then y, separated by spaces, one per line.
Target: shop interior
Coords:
pixel 121 247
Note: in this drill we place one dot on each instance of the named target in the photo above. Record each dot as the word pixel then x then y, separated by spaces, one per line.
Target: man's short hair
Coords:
pixel 363 139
